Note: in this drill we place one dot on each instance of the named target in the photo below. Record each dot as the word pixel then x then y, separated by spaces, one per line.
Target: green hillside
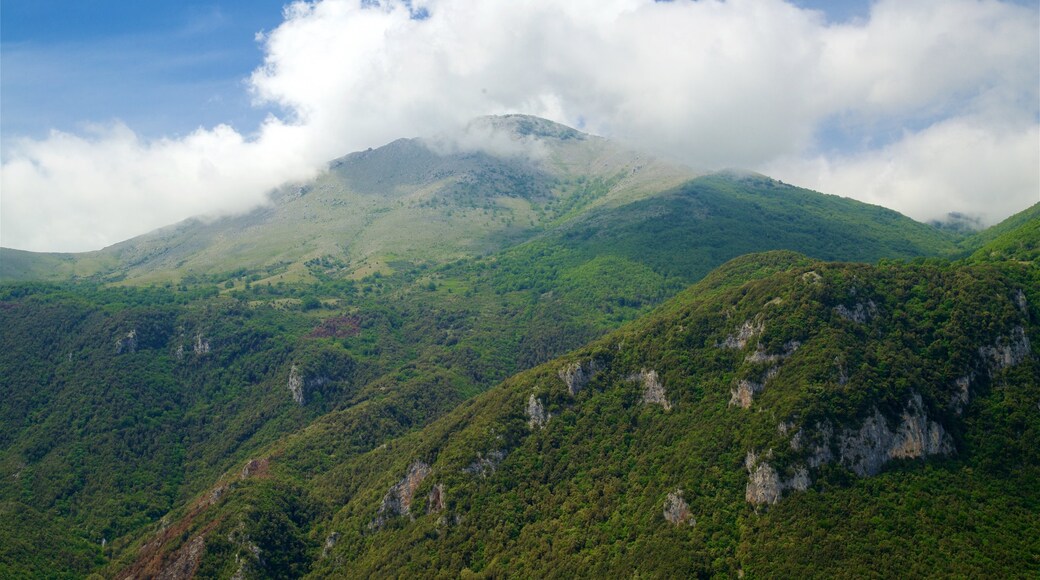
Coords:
pixel 784 417
pixel 270 364
pixel 410 201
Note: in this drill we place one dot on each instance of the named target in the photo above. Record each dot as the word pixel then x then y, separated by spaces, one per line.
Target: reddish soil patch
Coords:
pixel 337 327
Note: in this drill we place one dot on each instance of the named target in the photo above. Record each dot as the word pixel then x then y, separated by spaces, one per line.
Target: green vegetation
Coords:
pixel 266 394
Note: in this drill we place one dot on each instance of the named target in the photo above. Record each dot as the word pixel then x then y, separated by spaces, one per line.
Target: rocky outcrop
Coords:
pixel 1007 351
pixel 653 390
pixel 744 392
pixel 861 312
pixel 185 562
pixel 578 374
pixel 485 465
pixel 536 415
pixel 875 443
pixel 435 501
pixel 127 344
pixel 255 467
pixel 743 335
pixel 765 486
pixel 864 450
pixel 676 511
pixel 296 385
pixel 761 356
pixel 330 543
pixel 1020 301
pixel 201 345
pixel 398 499
pixel 299 384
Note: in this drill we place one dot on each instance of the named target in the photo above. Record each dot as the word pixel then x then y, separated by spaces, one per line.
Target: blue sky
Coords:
pixel 118 117
pixel 161 66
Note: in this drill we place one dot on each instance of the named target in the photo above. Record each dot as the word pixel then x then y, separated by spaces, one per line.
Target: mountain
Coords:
pixel 497 183
pixel 124 401
pixel 783 417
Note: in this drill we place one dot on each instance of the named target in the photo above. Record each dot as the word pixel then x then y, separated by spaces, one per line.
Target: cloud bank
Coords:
pixel 927 106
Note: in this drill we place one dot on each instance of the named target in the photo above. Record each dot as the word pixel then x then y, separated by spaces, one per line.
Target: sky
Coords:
pixel 118 117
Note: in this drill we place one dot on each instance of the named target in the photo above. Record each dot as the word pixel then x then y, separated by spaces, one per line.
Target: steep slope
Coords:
pixel 207 383
pixel 782 417
pixel 1010 227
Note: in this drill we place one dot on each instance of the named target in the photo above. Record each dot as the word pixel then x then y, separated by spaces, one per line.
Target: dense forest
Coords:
pixel 232 424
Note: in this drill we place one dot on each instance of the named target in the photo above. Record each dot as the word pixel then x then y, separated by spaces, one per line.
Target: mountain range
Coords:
pixel 524 350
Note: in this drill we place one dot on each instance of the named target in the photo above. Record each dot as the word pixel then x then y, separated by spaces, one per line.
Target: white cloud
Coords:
pixel 740 83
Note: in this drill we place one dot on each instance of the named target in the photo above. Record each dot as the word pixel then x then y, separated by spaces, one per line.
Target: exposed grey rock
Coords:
pixel 296 385
pixel 1006 351
pixel 185 562
pixel 330 542
pixel 180 352
pixel 812 277
pixel 398 499
pixel 1021 302
pixel 843 374
pixel 861 312
pixel 485 465
pixel 761 356
pixel 577 374
pixel 765 486
pixel 653 390
pixel 963 393
pixel 201 345
pixel 127 344
pixel 676 511
pixel 435 501
pixel 743 335
pixel 536 415
pixel 867 449
pixel 744 393
pixel 800 480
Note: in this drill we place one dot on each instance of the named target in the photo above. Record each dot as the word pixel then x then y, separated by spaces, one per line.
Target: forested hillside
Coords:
pixel 179 425
pixel 783 417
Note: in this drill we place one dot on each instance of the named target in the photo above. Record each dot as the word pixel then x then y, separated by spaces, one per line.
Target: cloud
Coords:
pixel 742 83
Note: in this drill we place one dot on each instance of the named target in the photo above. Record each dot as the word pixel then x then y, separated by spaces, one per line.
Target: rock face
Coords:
pixel 330 542
pixel 676 511
pixel 743 335
pixel 127 344
pixel 761 356
pixel 653 390
pixel 435 501
pixel 296 385
pixel 864 450
pixel 743 394
pixel 578 374
pixel 485 465
pixel 861 312
pixel 299 385
pixel 536 415
pixel 765 486
pixel 201 345
pixel 867 449
pixel 186 562
pixel 1006 351
pixel 398 499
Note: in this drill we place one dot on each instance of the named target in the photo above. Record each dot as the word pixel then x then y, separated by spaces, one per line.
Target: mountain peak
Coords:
pixel 527 126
